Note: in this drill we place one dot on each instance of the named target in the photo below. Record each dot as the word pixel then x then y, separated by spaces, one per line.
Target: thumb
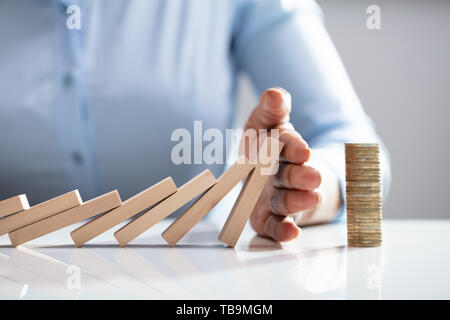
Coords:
pixel 273 109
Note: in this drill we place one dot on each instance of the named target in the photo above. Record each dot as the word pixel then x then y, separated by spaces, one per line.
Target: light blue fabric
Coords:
pixel 94 108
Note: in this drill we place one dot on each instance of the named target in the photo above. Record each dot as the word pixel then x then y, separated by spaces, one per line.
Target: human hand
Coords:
pixel 291 189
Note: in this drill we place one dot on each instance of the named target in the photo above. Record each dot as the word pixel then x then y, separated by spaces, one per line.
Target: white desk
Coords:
pixel 414 262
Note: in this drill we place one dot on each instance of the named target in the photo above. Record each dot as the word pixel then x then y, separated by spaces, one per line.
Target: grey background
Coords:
pixel 402 75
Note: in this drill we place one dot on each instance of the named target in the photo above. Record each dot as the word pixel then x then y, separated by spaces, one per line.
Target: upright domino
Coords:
pixel 230 178
pixel 129 208
pixel 66 218
pixel 250 193
pixel 41 211
pixel 13 205
pixel 185 193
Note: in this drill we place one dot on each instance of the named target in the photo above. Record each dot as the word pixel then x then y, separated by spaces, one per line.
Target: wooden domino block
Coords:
pixel 230 178
pixel 185 193
pixel 129 208
pixel 13 205
pixel 66 218
pixel 41 211
pixel 250 194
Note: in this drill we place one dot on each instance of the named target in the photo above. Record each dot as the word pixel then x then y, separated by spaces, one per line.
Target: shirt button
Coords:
pixel 77 158
pixel 68 80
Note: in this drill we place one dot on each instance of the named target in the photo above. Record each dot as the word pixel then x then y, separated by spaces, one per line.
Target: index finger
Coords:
pixel 296 150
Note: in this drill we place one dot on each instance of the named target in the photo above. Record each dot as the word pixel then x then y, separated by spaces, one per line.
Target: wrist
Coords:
pixel 329 189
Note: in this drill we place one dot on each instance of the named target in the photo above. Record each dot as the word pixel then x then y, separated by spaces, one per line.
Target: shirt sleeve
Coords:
pixel 284 43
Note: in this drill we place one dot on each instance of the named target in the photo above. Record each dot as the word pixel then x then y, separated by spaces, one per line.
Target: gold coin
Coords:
pixel 365 245
pixel 363 200
pixel 362 189
pixel 362 193
pixel 355 217
pixel 351 176
pixel 354 220
pixel 350 162
pixel 357 155
pixel 362 240
pixel 350 154
pixel 361 146
pixel 369 212
pixel 351 207
pixel 352 185
pixel 363 236
pixel 362 166
pixel 362 157
pixel 351 170
pixel 361 225
pixel 365 179
pixel 364 213
pixel 350 151
pixel 364 210
pixel 363 196
pixel 356 237
pixel 363 218
pixel 365 241
pixel 362 173
pixel 363 228
pixel 364 223
pixel 359 230
pixel 356 150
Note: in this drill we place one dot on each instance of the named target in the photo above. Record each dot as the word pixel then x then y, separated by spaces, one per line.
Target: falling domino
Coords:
pixel 129 208
pixel 13 205
pixel 185 193
pixel 41 211
pixel 230 178
pixel 66 218
pixel 249 194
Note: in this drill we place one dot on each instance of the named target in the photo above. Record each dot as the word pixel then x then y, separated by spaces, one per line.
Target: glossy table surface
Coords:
pixel 413 263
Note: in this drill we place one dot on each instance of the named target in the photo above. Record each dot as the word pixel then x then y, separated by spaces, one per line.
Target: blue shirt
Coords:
pixel 94 108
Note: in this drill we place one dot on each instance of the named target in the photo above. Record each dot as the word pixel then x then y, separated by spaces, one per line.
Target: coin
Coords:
pixel 363 194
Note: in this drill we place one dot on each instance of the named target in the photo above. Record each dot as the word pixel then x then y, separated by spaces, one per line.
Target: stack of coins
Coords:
pixel 363 188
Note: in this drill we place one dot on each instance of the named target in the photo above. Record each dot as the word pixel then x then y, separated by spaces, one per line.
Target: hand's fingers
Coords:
pixel 267 224
pixel 295 150
pixel 288 202
pixel 281 228
pixel 273 109
pixel 294 176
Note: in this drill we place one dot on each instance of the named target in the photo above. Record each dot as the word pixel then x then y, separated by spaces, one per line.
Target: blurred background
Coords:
pixel 402 75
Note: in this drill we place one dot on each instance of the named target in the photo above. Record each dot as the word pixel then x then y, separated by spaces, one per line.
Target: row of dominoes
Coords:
pixel 24 224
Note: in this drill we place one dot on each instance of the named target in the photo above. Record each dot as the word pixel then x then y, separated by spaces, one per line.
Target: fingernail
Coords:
pixel 298 233
pixel 277 98
pixel 282 90
pixel 319 200
pixel 309 155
